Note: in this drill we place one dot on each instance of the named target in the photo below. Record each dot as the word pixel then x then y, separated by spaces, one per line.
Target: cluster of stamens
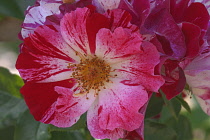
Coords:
pixel 91 73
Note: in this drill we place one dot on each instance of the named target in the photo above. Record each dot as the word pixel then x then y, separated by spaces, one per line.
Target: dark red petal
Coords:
pixel 192 37
pixel 163 24
pixel 175 79
pixel 94 23
pixel 197 14
pixel 178 8
pixel 158 5
pixel 139 9
pixel 68 7
pixel 40 96
pixel 120 18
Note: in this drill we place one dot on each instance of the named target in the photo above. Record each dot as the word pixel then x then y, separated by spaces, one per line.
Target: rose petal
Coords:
pixel 192 38
pixel 138 69
pixel 197 14
pixel 68 7
pixel 49 1
pixel 46 56
pixel 115 46
pixel 138 134
pixel 177 8
pixel 40 96
pixel 199 82
pixel 163 24
pixel 79 31
pixel 120 18
pixel 174 79
pixel 198 79
pixel 133 65
pixel 104 5
pixel 158 5
pixel 36 16
pixel 200 63
pixel 139 9
pixel 67 109
pixel 116 108
pixel 203 98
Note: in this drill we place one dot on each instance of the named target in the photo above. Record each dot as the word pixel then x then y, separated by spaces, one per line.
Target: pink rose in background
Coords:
pixel 168 24
pixel 198 71
pixel 198 78
pixel 77 60
pixel 36 15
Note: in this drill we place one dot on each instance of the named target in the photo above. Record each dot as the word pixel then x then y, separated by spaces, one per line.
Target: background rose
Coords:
pixel 169 24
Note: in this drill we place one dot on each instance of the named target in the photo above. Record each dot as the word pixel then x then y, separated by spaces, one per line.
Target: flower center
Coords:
pixel 68 1
pixel 91 73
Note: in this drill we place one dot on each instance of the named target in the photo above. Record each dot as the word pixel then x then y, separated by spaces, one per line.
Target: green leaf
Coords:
pixel 9 46
pixel 10 109
pixel 154 107
pixel 15 8
pixel 67 135
pixel 158 131
pixel 1 17
pixel 198 118
pixel 10 83
pixel 182 126
pixel 7 133
pixel 23 4
pixel 82 134
pixel 184 103
pixel 10 8
pixel 29 129
pixel 173 105
pixel 80 124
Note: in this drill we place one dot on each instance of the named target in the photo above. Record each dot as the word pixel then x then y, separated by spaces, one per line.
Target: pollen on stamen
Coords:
pixel 92 73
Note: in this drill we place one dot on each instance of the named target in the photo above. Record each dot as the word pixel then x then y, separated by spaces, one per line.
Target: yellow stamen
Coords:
pixel 68 1
pixel 91 73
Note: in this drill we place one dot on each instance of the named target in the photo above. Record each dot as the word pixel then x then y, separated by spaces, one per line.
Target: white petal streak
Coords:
pixel 73 30
pixel 36 16
pixel 52 69
pixel 104 5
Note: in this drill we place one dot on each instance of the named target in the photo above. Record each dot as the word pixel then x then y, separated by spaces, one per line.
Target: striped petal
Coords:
pixel 116 108
pixel 45 57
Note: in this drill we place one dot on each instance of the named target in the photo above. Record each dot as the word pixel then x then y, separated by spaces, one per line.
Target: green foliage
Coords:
pixel 23 4
pixel 158 131
pixel 78 131
pixel 67 135
pixel 14 8
pixel 10 83
pixel 10 109
pixel 182 126
pixel 184 103
pixel 10 8
pixel 154 107
pixel 29 129
pixel 11 46
pixel 173 106
pixel 7 133
pixel 1 17
pixel 82 134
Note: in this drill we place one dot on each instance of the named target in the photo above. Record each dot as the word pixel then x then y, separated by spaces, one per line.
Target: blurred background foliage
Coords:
pixel 165 120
